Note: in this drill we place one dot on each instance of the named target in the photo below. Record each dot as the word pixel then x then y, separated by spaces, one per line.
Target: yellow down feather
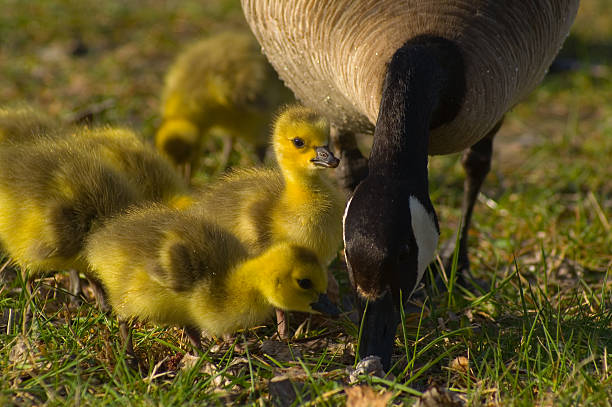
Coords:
pixel 222 81
pixel 177 268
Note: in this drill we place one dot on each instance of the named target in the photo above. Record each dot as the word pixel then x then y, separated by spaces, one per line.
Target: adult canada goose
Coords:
pixel 220 81
pixel 436 77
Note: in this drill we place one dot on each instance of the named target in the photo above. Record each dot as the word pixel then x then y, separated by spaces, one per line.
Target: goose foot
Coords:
pixel 368 366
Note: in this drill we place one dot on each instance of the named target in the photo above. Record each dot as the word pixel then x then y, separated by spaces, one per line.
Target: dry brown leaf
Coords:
pixel 188 362
pixel 460 364
pixel 221 375
pixel 366 396
pixel 20 351
pixel 439 397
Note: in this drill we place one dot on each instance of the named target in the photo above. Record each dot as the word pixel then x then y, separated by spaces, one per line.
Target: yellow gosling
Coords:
pixel 51 197
pixel 174 267
pixel 111 168
pixel 120 148
pixel 130 155
pixel 293 203
pixel 222 81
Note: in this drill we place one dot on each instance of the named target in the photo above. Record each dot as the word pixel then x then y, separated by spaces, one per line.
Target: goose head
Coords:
pixel 390 226
pixel 390 236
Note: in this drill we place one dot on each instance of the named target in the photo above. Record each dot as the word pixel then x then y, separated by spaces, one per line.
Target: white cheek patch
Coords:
pixel 425 234
pixel 343 228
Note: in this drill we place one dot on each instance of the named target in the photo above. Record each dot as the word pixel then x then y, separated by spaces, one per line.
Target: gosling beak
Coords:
pixel 325 306
pixel 325 158
pixel 379 326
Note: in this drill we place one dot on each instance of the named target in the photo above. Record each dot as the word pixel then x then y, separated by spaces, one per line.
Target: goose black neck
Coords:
pixel 420 91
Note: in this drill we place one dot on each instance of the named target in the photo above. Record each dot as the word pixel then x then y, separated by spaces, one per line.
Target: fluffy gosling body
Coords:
pixel 130 155
pixel 293 203
pixel 223 81
pixel 120 148
pixel 51 197
pixel 24 123
pixel 55 190
pixel 175 267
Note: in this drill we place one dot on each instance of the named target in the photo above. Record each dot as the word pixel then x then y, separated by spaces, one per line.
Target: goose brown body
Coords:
pixel 334 55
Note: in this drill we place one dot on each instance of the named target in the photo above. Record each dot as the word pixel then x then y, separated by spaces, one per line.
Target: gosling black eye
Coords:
pixel 298 142
pixel 305 283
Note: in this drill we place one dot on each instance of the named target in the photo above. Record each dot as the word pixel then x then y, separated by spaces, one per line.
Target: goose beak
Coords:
pixel 325 158
pixel 325 306
pixel 379 327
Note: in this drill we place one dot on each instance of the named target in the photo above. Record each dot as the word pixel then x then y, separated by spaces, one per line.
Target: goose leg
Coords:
pixel 281 324
pixel 125 333
pixel 263 152
pixel 353 166
pixel 194 335
pixel 76 288
pixel 185 171
pixel 99 295
pixel 477 163
pixel 27 313
pixel 228 146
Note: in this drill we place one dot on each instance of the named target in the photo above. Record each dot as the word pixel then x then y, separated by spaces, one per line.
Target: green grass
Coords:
pixel 541 335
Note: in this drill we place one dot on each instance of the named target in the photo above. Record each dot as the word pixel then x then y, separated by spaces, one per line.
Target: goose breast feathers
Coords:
pixel 333 55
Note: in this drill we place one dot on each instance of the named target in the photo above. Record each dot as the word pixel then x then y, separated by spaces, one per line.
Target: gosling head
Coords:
pixel 294 280
pixel 178 140
pixel 301 140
